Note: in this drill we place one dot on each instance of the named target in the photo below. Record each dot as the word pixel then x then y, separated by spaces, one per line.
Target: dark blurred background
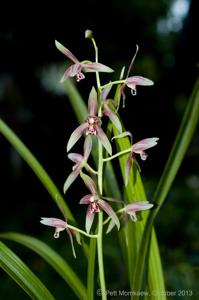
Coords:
pixel 34 105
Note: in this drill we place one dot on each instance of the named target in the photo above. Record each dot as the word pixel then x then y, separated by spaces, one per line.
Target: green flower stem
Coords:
pixel 112 83
pixel 118 154
pixel 89 168
pixel 100 187
pixel 82 231
pixel 96 59
pixel 100 225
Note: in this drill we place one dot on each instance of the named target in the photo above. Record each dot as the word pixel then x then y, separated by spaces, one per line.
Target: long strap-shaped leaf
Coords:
pixel 54 259
pixel 37 169
pixel 182 141
pixel 22 275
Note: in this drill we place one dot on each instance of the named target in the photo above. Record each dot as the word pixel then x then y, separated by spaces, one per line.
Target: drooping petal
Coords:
pixel 113 117
pixel 92 102
pixel 128 167
pixel 71 241
pixel 71 178
pixel 89 219
pixel 144 144
pixel 86 199
pixel 107 208
pixel 104 140
pixel 89 183
pixel 87 147
pixel 66 52
pixel 72 71
pixel 75 157
pixel 95 67
pixel 75 136
pixel 112 200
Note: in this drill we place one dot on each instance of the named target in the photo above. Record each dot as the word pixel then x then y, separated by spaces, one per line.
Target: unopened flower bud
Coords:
pixel 88 34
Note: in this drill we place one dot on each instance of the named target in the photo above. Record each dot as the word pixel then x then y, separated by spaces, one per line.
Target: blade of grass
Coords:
pixel 37 169
pixel 22 275
pixel 178 151
pixel 52 258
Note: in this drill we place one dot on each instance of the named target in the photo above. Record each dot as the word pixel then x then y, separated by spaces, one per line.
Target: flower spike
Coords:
pixel 78 67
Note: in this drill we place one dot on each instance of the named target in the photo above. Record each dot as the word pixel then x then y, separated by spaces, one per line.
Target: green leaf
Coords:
pixel 37 169
pixel 22 275
pixel 54 259
pixel 182 141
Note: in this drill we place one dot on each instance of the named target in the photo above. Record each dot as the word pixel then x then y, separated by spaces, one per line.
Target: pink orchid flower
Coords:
pixel 91 125
pixel 78 67
pixel 95 203
pixel 134 207
pixel 133 81
pixel 59 225
pixel 80 162
pixel 139 148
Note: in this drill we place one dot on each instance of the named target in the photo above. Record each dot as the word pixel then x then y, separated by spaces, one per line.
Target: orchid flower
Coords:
pixel 133 81
pixel 139 148
pixel 95 203
pixel 132 208
pixel 80 162
pixel 91 125
pixel 78 67
pixel 107 111
pixel 59 225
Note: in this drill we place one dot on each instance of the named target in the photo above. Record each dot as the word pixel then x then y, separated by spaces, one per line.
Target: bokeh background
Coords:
pixel 35 106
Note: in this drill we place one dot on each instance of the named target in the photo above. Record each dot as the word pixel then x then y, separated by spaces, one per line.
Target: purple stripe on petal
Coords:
pixel 71 178
pixel 92 102
pixel 87 147
pixel 86 199
pixel 96 67
pixel 104 140
pixel 107 208
pixel 66 52
pixel 89 219
pixel 75 136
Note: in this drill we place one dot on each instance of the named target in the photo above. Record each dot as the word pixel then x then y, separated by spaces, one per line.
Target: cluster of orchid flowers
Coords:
pixel 92 126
